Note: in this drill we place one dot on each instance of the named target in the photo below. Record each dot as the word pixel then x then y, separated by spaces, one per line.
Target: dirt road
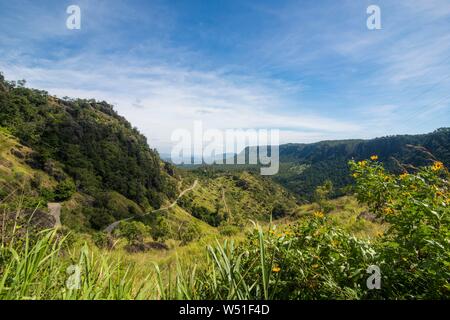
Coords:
pixel 113 225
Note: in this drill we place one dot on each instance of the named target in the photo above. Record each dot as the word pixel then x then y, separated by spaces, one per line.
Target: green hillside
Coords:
pixel 236 197
pixel 15 173
pixel 97 148
pixel 305 166
pixel 82 154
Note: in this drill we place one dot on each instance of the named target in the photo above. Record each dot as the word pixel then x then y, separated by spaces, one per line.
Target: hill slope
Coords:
pixel 102 169
pixel 303 167
pixel 96 147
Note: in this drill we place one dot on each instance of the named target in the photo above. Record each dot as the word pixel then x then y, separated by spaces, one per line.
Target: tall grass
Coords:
pixel 44 268
pixel 48 264
pixel 224 276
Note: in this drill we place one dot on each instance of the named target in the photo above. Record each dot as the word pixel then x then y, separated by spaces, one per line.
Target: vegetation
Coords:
pixel 86 146
pixel 312 258
pixel 212 232
pixel 304 167
pixel 315 259
pixel 415 253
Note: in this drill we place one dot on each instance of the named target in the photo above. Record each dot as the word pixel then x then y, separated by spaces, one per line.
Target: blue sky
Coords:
pixel 309 68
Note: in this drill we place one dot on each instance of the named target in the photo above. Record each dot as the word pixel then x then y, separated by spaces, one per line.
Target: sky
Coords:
pixel 310 68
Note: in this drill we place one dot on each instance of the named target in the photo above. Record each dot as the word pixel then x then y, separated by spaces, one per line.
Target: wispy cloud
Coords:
pixel 313 71
pixel 160 99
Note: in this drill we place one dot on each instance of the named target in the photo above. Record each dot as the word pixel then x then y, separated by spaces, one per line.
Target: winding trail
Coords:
pixel 54 209
pixel 113 225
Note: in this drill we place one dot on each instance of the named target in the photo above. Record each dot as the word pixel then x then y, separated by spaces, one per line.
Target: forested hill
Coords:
pixel 86 143
pixel 83 155
pixel 305 166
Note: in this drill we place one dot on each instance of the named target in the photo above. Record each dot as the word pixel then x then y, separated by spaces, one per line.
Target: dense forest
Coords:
pixel 306 166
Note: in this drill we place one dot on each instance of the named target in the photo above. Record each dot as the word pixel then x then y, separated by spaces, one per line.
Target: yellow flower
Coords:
pixel 388 210
pixel 403 175
pixel 276 269
pixel 362 163
pixel 318 214
pixel 437 166
pixel 374 158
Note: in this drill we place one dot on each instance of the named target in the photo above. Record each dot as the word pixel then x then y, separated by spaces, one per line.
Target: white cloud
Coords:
pixel 169 98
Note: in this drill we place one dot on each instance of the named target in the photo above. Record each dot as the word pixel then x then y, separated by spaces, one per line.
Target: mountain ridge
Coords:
pixel 303 167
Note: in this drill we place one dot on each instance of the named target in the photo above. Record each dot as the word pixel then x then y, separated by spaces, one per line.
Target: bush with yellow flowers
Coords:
pixel 414 252
pixel 312 259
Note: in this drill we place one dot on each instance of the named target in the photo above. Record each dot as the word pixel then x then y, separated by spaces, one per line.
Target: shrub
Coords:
pixel 414 252
pixel 188 232
pixel 102 240
pixel 133 231
pixel 279 211
pixel 64 190
pixel 322 194
pixel 229 230
pixel 210 217
pixel 160 230
pixel 98 217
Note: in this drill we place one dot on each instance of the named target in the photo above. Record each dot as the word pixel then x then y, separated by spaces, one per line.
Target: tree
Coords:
pixel 133 231
pixel 161 230
pixel 64 190
pixel 188 232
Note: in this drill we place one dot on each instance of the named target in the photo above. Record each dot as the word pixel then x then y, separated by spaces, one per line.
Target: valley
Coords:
pixel 80 184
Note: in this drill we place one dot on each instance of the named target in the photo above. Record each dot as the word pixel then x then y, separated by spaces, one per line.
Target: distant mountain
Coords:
pixel 165 156
pixel 305 166
pixel 199 160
